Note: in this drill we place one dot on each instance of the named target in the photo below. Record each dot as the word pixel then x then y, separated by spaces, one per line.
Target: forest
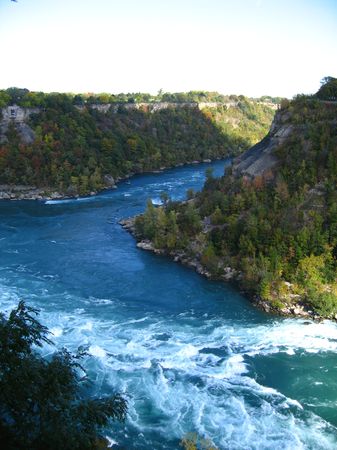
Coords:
pixel 278 231
pixel 29 99
pixel 75 149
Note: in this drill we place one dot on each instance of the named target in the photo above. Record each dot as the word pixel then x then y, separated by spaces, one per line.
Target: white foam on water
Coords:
pixel 157 201
pixel 232 367
pixel 56 331
pixel 111 441
pixel 69 200
pixel 132 321
pixel 59 202
pixel 187 351
pixel 195 378
pixel 288 335
pixel 290 351
pixel 86 326
pixel 166 384
pixel 101 301
pixel 98 351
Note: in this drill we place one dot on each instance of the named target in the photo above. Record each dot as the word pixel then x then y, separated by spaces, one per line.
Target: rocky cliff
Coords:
pixel 287 124
pixel 18 117
pixel 261 157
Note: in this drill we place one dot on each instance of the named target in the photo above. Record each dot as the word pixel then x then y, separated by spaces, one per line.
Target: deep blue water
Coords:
pixel 190 354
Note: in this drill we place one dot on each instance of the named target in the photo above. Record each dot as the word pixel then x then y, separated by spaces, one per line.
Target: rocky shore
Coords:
pixel 297 308
pixel 24 192
pixel 20 192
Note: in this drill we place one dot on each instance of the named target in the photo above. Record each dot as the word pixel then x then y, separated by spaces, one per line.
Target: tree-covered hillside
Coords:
pixel 77 145
pixel 276 233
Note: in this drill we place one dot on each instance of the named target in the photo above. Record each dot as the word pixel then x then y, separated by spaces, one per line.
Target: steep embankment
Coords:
pixel 77 150
pixel 270 224
pixel 262 157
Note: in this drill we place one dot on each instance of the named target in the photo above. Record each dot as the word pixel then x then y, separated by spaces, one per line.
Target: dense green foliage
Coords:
pixel 244 123
pixel 328 90
pixel 75 148
pixel 43 402
pixel 277 228
pixel 28 99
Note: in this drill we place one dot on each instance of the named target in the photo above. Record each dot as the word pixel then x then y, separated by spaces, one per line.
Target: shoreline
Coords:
pixel 297 310
pixel 17 192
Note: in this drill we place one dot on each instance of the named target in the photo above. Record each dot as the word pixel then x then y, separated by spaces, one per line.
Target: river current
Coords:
pixel 191 355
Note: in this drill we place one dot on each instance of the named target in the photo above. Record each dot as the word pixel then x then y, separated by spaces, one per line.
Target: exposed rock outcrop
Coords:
pixel 158 106
pixel 261 157
pixel 109 181
pixel 153 106
pixel 18 117
pixel 20 192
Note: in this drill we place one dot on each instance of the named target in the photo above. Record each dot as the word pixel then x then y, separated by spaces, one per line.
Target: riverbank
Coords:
pixel 23 192
pixel 296 308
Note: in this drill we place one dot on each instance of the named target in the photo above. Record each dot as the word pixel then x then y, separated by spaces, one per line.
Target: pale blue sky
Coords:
pixel 250 47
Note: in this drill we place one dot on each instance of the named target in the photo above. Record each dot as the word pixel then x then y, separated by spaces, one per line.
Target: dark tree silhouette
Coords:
pixel 42 402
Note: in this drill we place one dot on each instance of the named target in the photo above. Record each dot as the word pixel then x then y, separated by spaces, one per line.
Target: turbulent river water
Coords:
pixel 191 355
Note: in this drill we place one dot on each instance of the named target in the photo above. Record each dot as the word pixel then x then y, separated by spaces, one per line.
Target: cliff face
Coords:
pixel 288 124
pixel 261 157
pixel 18 117
pixel 159 106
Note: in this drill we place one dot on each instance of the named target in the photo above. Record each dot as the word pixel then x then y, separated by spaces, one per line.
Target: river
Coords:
pixel 191 355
